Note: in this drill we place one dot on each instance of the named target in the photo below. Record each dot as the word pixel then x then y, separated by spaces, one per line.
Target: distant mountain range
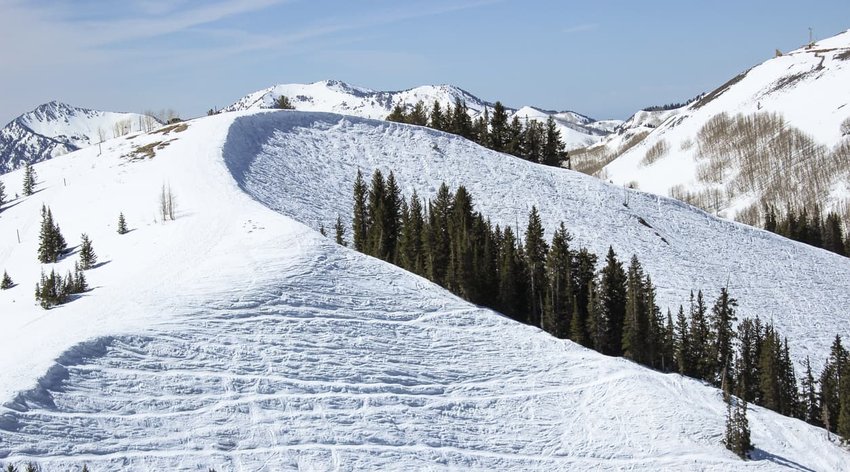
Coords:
pixel 56 128
pixel 335 96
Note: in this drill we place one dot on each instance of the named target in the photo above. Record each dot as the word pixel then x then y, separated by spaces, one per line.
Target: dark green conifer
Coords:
pixel 499 128
pixel 29 179
pixel 360 219
pixel 339 232
pixel 6 282
pixel 808 397
pixel 398 114
pixel 554 153
pixel 535 260
pixel 612 304
pixel 122 224
pixel 560 300
pixel 87 256
pixel 283 103
pixel 723 315
pixel 437 120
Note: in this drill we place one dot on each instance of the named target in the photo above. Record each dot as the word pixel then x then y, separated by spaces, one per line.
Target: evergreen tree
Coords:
pixel 700 338
pixel 585 270
pixel 377 237
pixel 360 220
pixel 769 370
pixel 392 218
pixel 723 315
pixel 283 103
pixel 437 120
pixel 737 437
pixel 11 468
pixel 560 300
pixel 29 179
pixel 510 277
pixel 533 141
pixel 461 121
pixel 833 239
pixel 683 348
pixel 830 384
pixel 78 283
pixel 51 243
pixel 635 321
pixel 419 114
pixel 535 261
pixel 438 241
pixel 51 290
pixel 398 114
pixel 808 398
pixel 411 238
pixel 612 304
pixel 553 148
pixel 87 256
pixel 2 193
pixel 459 276
pixel 6 282
pixel 339 232
pixel 499 128
pixel 749 353
pixel 843 423
pixel 122 224
pixel 515 142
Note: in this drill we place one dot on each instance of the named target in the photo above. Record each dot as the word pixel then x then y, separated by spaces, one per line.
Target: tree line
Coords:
pixel 529 139
pixel 557 287
pixel 812 229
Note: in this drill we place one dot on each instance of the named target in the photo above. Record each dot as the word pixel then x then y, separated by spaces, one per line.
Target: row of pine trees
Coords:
pixel 810 228
pixel 557 287
pixel 529 139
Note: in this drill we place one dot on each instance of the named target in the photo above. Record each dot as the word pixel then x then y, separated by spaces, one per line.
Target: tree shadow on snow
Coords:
pixel 762 455
pixel 100 264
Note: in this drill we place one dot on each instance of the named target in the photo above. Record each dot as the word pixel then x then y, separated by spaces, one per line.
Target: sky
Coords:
pixel 605 59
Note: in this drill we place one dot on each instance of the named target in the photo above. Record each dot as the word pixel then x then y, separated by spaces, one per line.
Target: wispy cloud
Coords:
pixel 581 28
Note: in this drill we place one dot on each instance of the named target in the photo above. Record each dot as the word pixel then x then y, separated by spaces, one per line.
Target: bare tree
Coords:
pixel 166 203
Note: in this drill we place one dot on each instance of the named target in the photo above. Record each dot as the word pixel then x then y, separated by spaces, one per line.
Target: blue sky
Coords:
pixel 605 59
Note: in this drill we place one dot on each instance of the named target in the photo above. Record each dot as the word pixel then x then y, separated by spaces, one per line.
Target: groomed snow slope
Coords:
pixel 306 163
pixel 237 338
pixel 807 87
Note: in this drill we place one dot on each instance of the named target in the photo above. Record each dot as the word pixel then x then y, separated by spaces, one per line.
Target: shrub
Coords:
pixel 657 151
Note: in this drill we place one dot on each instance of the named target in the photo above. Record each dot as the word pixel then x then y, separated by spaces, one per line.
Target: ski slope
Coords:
pixel 237 337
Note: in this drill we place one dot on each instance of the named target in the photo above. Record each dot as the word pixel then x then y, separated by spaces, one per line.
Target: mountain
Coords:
pixel 55 128
pixel 338 97
pixel 237 337
pixel 777 133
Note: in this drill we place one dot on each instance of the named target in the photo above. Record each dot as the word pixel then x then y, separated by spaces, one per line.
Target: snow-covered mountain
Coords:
pixel 778 132
pixel 338 97
pixel 237 337
pixel 55 128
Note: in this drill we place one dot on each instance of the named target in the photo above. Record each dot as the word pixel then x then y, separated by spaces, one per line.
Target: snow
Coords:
pixel 339 97
pixel 237 337
pixel 814 99
pixel 55 128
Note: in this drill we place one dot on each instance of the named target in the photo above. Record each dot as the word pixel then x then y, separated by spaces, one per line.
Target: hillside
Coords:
pixel 338 97
pixel 237 337
pixel 773 134
pixel 55 128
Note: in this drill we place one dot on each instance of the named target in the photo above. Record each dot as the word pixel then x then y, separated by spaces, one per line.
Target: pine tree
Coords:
pixel 360 220
pixel 122 224
pixel 723 315
pixel 11 468
pixel 29 179
pixel 6 282
pixel 51 242
pixel 553 148
pixel 833 239
pixel 747 364
pixel 438 239
pixel 282 103
pixel 515 142
pixel 437 120
pixel 737 436
pixel 78 280
pixel 392 218
pixel 2 193
pixel 700 338
pixel 510 274
pixel 339 232
pixel 830 384
pixel 499 128
pixel 612 304
pixel 585 270
pixel 770 371
pixel 31 467
pixel 808 398
pixel 683 348
pixel 419 114
pixel 635 321
pixel 535 257
pixel 560 300
pixel 87 256
pixel 398 114
pixel 533 141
